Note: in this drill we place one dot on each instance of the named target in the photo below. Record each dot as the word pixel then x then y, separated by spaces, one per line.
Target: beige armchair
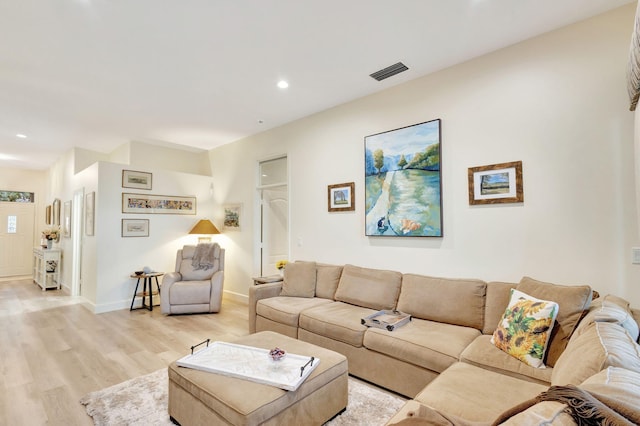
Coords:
pixel 196 285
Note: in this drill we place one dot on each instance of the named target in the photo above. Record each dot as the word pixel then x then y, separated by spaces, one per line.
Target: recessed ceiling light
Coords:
pixel 283 84
pixel 21 136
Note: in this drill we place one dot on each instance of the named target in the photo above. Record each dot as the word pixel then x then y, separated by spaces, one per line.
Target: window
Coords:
pixel 12 224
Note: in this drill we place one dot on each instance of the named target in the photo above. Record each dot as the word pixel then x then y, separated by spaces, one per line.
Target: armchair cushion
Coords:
pixel 194 273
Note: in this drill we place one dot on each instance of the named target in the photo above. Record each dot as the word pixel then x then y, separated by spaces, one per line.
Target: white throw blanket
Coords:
pixel 204 256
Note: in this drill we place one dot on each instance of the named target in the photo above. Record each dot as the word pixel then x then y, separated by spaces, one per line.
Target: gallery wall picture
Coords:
pixel 496 183
pixel 403 182
pixel 135 227
pixel 158 204
pixel 136 179
pixel 89 214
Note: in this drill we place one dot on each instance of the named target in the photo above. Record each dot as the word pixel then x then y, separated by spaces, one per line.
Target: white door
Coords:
pixel 275 228
pixel 274 214
pixel 16 238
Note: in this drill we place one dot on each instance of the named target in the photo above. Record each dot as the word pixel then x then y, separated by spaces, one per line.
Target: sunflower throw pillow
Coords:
pixel 525 328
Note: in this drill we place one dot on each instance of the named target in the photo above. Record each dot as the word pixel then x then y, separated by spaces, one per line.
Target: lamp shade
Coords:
pixel 204 227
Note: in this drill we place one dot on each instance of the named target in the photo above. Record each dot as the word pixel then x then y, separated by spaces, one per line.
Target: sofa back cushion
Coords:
pixel 612 309
pixel 370 288
pixel 299 280
pixel 572 302
pixel 327 279
pixel 451 301
pixel 601 345
pixel 496 301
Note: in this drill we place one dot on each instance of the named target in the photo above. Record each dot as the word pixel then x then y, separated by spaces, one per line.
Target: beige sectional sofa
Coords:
pixel 444 358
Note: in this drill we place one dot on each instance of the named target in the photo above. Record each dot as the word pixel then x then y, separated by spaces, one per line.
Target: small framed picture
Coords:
pixel 135 179
pixel 135 227
pixel 341 197
pixel 89 214
pixel 497 183
pixel 232 217
pixel 66 220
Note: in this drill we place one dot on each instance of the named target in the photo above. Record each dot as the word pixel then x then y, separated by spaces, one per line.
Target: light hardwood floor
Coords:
pixel 53 350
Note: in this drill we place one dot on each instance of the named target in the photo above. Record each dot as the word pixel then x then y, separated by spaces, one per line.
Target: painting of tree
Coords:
pixel 403 182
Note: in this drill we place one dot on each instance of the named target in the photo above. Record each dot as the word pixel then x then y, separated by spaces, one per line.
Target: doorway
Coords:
pixel 17 223
pixel 274 214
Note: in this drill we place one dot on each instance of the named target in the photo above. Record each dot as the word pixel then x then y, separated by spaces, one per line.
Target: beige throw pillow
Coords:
pixel 299 279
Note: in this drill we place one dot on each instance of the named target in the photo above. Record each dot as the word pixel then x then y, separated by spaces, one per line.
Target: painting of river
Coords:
pixel 403 182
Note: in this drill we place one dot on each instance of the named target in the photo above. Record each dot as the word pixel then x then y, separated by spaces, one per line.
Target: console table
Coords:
pixel 46 267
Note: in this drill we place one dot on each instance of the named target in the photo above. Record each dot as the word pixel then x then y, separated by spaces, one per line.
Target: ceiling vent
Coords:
pixel 389 71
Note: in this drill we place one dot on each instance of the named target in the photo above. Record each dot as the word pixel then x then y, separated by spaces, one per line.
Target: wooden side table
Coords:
pixel 147 289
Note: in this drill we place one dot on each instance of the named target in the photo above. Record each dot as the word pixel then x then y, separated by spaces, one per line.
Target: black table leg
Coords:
pixel 133 299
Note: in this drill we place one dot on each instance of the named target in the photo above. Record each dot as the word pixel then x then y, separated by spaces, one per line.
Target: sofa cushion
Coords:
pixel 476 394
pixel 482 353
pixel 617 383
pixel 337 320
pixel 452 301
pixel 496 301
pixel 609 308
pixel 525 328
pixel 601 345
pixel 429 344
pixel 285 309
pixel 370 288
pixel 572 302
pixel 327 279
pixel 299 280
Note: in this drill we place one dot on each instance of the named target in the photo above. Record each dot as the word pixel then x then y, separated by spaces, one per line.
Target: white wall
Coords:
pixel 108 259
pixel 557 102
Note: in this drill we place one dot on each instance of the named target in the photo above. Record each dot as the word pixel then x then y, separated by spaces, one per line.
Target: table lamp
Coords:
pixel 204 227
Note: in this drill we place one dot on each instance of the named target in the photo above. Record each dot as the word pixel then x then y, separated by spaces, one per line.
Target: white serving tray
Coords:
pixel 250 363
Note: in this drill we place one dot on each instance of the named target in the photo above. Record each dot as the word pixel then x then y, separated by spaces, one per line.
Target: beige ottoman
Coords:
pixel 198 397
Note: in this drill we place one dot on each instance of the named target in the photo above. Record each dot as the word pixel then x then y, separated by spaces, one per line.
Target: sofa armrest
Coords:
pixel 217 284
pixel 168 280
pixel 259 292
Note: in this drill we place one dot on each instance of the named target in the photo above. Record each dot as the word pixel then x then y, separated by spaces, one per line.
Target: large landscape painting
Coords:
pixel 403 182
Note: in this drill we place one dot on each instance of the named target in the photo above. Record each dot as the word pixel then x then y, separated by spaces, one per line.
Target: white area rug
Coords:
pixel 143 401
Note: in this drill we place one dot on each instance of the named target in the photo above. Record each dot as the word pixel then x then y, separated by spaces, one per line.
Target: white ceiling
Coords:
pixel 99 73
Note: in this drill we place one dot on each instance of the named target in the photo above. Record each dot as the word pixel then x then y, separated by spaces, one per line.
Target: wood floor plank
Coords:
pixel 53 351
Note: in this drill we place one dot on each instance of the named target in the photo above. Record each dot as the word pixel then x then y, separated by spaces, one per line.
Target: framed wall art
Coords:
pixel 17 197
pixel 232 217
pixel 135 227
pixel 136 179
pixel 341 197
pixel 158 204
pixel 497 183
pixel 403 185
pixel 89 213
pixel 55 220
pixel 66 219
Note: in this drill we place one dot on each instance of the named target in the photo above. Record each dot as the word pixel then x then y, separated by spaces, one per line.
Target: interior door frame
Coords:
pixel 258 211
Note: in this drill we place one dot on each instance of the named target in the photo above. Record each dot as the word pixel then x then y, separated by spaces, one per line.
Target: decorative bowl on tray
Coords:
pixel 139 272
pixel 276 354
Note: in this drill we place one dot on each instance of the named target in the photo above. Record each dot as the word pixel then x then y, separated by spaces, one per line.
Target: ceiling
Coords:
pixel 201 73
